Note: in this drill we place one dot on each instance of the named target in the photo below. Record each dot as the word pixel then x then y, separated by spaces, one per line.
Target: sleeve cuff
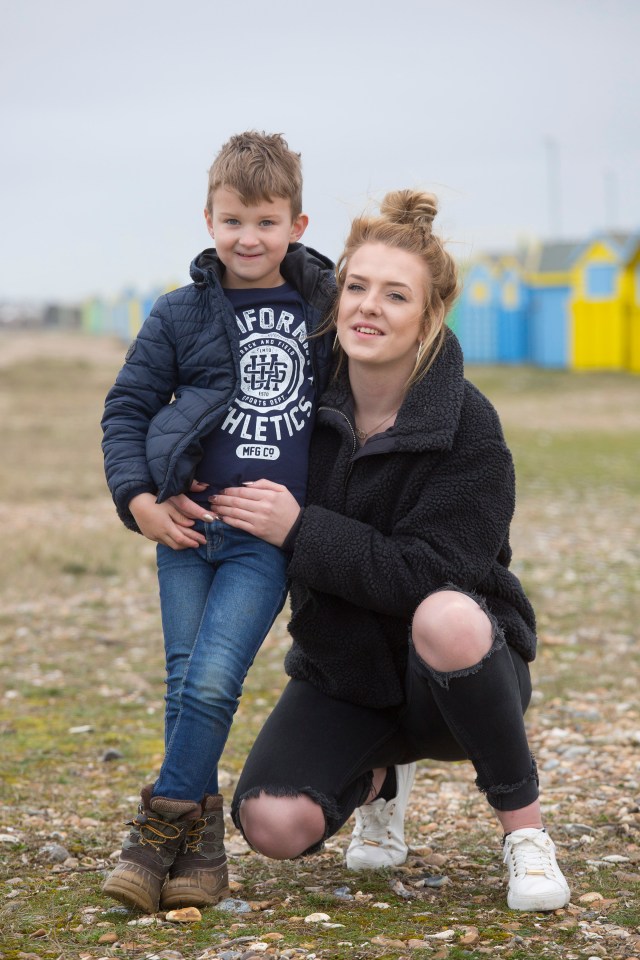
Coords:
pixel 290 539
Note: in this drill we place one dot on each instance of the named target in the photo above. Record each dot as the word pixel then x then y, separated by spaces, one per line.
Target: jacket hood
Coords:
pixel 430 413
pixel 302 266
pixel 205 267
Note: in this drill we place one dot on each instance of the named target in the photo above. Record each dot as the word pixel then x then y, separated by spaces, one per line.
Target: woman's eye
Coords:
pixel 355 287
pixel 397 296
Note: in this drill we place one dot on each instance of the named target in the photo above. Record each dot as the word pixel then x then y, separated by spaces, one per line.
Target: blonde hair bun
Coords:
pixel 411 207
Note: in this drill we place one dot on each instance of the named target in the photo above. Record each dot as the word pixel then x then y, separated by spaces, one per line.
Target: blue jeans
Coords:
pixel 218 603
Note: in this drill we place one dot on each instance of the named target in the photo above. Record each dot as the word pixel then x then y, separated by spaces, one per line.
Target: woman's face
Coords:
pixel 380 314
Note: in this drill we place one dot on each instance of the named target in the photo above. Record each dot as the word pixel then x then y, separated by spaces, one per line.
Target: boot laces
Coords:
pixel 154 830
pixel 195 835
pixel 532 856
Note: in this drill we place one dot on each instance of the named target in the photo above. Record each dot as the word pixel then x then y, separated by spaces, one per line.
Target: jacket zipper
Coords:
pixel 353 434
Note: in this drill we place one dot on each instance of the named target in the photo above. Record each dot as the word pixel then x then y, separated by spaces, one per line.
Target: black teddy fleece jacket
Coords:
pixel 426 504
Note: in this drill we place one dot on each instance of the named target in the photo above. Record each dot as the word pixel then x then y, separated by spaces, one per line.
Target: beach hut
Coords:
pixel 91 316
pixel 513 312
pixel 134 305
pixel 599 328
pixel 119 317
pixel 96 316
pixel 477 312
pixel 548 277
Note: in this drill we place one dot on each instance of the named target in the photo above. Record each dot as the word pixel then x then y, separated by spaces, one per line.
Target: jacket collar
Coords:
pixel 429 416
pixel 304 268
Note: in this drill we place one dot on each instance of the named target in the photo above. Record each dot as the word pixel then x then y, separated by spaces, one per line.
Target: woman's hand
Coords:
pixel 164 522
pixel 263 508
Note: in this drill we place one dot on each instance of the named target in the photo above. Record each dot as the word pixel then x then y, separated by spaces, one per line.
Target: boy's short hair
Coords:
pixel 258 166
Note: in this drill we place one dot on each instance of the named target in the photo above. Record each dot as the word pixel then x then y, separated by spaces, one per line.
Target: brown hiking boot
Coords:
pixel 199 876
pixel 150 849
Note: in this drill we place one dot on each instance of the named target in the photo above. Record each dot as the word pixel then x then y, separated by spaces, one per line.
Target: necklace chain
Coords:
pixel 362 434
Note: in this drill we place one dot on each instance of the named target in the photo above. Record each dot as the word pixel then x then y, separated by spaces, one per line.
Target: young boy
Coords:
pixel 218 389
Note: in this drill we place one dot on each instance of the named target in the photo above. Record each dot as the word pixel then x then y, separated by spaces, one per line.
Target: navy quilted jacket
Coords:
pixel 425 504
pixel 182 372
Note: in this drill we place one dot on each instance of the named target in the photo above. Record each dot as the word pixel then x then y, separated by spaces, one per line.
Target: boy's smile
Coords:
pixel 252 241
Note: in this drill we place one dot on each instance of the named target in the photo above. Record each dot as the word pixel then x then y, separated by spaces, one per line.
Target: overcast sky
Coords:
pixel 522 116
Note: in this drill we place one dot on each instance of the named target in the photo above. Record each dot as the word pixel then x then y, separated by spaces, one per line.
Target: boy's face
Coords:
pixel 252 241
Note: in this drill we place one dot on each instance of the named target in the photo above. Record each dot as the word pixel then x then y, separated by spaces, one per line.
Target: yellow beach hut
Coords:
pixel 599 328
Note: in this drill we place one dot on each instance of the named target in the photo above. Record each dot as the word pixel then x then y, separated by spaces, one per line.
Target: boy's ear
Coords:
pixel 298 227
pixel 209 219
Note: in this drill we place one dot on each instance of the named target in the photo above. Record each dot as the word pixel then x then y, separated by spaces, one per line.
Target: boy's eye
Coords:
pixel 266 223
pixel 231 221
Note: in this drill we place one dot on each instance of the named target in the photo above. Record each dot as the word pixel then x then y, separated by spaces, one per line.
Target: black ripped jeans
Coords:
pixel 327 748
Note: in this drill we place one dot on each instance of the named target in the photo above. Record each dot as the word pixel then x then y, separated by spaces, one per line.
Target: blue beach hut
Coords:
pixel 548 278
pixel 477 312
pixel 513 312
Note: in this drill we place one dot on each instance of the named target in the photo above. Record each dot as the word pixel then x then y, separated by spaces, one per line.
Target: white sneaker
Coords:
pixel 378 836
pixel 535 879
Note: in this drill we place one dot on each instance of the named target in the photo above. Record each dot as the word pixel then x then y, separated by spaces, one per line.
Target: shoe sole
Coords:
pixel 196 888
pixel 129 894
pixel 360 865
pixel 189 897
pixel 532 904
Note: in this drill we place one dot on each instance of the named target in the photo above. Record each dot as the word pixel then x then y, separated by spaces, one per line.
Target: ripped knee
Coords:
pixel 281 827
pixel 452 632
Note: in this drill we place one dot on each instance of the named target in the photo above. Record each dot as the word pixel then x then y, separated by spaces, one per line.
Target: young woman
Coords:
pixel 411 637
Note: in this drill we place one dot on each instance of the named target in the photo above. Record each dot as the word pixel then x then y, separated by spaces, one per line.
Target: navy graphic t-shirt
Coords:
pixel 267 430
